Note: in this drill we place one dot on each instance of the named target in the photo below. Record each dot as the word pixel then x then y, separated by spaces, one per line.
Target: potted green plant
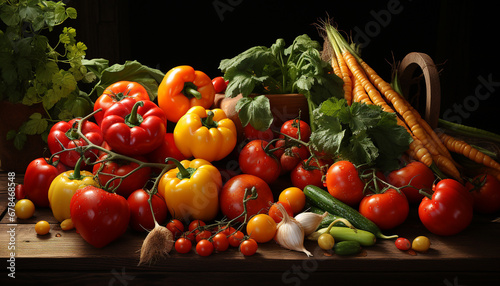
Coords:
pixel 39 79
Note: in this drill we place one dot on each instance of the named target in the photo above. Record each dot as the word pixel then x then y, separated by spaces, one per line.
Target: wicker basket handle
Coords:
pixel 410 63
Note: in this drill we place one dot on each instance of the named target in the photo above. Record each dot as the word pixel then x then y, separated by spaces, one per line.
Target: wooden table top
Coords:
pixel 63 257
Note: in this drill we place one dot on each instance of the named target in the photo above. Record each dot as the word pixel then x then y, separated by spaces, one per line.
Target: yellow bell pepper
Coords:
pixel 63 187
pixel 205 134
pixel 191 190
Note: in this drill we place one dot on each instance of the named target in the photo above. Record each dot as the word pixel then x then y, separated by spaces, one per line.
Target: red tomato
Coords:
pixel 117 92
pixel 204 247
pixel 132 182
pixel 236 239
pixel 183 245
pixel 232 194
pixel 220 242
pixel 254 159
pixel 485 190
pixel 219 84
pixel 166 149
pixel 176 227
pixel 449 211
pixel 387 210
pixel 204 234
pixel 276 214
pixel 291 128
pixel 416 174
pixel 195 224
pixel 307 174
pixel 99 217
pixel 249 247
pixel 403 244
pixel 140 212
pixel 343 182
pixel 251 133
pixel 37 179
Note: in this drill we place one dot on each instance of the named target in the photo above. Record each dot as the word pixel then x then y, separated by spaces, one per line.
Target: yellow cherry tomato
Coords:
pixel 42 227
pixel 261 227
pixel 24 209
pixel 294 197
pixel 421 244
pixel 67 224
pixel 326 241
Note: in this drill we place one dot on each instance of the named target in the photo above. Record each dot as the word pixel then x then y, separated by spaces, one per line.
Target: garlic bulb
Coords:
pixel 290 233
pixel 310 221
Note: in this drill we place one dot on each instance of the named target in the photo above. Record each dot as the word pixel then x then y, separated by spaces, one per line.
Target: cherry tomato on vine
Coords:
pixel 220 242
pixel 141 218
pixel 183 245
pixel 256 159
pixel 204 247
pixel 195 224
pixel 249 247
pixel 294 197
pixel 236 238
pixel 291 128
pixel 42 227
pixel 176 227
pixel 219 84
pixel 416 174
pixel 204 234
pixel 485 190
pixel 261 227
pixel 343 183
pixel 227 230
pixel 307 172
pixel 403 244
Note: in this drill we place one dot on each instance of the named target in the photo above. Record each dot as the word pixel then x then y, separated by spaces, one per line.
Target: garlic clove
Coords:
pixel 290 233
pixel 310 221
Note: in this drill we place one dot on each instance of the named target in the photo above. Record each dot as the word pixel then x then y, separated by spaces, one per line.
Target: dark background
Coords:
pixel 461 37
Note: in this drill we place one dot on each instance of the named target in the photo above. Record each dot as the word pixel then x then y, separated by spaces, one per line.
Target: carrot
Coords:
pixel 418 152
pixel 336 67
pixel 461 147
pixel 345 72
pixel 446 165
pixel 359 93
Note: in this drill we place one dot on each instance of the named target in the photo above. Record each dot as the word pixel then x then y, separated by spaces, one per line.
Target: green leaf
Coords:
pixel 256 111
pixel 243 82
pixel 71 12
pixel 10 15
pixel 18 137
pixel 50 99
pixel 35 125
pixel 29 13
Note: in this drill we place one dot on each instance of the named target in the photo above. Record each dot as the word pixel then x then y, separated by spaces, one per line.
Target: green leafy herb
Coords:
pixel 279 69
pixel 360 133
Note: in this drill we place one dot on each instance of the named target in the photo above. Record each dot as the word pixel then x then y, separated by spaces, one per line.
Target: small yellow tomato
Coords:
pixel 24 209
pixel 326 241
pixel 261 227
pixel 421 244
pixel 294 197
pixel 67 224
pixel 42 227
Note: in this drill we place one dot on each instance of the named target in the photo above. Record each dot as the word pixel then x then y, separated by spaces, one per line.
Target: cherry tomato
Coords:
pixel 326 241
pixel 220 242
pixel 403 243
pixel 140 212
pixel 219 84
pixel 387 210
pixel 294 197
pixel 343 183
pixel 227 230
pixel 249 247
pixel 236 238
pixel 251 133
pixel 261 227
pixel 204 234
pixel 276 214
pixel 291 128
pixel 176 227
pixel 308 173
pixel 421 244
pixel 24 209
pixel 195 224
pixel 42 227
pixel 416 174
pixel 231 196
pixel 67 224
pixel 255 159
pixel 183 245
pixel 204 247
pixel 485 190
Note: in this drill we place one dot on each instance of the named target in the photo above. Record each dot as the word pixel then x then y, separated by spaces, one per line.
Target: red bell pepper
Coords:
pixel 39 174
pixel 167 149
pixel 133 127
pixel 63 134
pixel 449 210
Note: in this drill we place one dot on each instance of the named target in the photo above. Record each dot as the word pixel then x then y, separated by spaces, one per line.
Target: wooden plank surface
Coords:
pixel 471 256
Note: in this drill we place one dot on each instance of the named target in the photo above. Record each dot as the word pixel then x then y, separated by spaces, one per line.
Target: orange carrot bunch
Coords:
pixel 363 84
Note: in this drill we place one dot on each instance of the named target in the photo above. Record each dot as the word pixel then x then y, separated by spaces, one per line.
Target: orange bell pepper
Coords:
pixel 182 88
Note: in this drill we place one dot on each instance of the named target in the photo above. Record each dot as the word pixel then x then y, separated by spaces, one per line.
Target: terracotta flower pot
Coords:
pixel 283 107
pixel 12 116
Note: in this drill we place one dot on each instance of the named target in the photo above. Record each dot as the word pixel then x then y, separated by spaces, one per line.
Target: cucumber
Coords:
pixel 328 219
pixel 348 247
pixel 363 237
pixel 323 200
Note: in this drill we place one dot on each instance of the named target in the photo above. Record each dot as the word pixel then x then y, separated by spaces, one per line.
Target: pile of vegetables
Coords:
pixel 354 167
